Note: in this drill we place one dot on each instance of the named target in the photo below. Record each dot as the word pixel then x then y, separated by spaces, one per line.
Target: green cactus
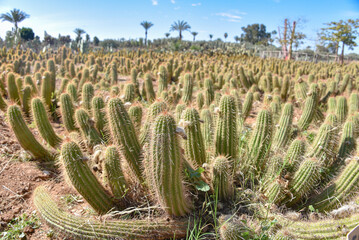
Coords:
pixel 207 128
pixel 90 228
pixel 179 110
pixel 64 83
pixel 67 112
pixel 187 88
pixel 165 164
pixel 260 141
pixel 194 145
pixel 30 82
pixel 88 93
pixel 222 178
pixel 162 79
pixel 124 135
pixel 200 100
pixel 129 93
pixel 91 136
pixel 233 229
pixel 275 192
pixel 113 175
pixel 282 134
pixel 26 97
pixel 99 115
pixel 310 106
pixel 83 180
pixel 3 104
pixel 294 155
pixel 135 113
pixel 342 109
pixel 13 91
pixel 46 89
pixel 72 91
pixel 226 141
pixel 23 134
pixel 43 124
pixel 354 103
pixel 148 87
pixel 247 105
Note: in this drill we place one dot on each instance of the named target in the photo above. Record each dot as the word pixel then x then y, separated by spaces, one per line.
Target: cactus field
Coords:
pixel 144 144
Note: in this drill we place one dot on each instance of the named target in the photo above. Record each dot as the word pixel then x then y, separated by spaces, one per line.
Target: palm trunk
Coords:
pixel 180 36
pixel 146 38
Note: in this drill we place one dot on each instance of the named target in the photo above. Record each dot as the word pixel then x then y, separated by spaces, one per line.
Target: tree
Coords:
pixel 256 34
pixel 225 36
pixel 180 26
pixel 210 36
pixel 64 39
pixel 14 16
pixel 194 35
pixel 79 32
pixel 27 34
pixel 146 25
pixel 342 32
pixel 237 39
pixel 96 41
pixel 87 38
pixel 167 35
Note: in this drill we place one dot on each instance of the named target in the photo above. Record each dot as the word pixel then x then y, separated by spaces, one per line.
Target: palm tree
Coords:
pixel 180 26
pixel 79 32
pixel 14 16
pixel 211 36
pixel 225 36
pixel 146 25
pixel 167 35
pixel 236 38
pixel 194 35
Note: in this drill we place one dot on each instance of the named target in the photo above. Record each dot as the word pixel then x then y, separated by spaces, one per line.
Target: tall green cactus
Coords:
pixel 46 89
pixel 342 109
pixel 129 93
pixel 99 116
pixel 91 136
pixel 90 228
pixel 165 164
pixel 226 133
pixel 150 93
pixel 67 112
pixel 194 145
pixel 247 105
pixel 282 134
pixel 124 135
pixel 88 93
pixel 310 106
pixel 23 134
pixel 83 180
pixel 222 178
pixel 43 124
pixel 13 91
pixel 72 91
pixel 295 155
pixel 187 88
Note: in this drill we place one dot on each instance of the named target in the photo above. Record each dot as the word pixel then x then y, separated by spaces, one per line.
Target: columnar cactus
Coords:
pixel 129 93
pixel 26 98
pixel 99 116
pixel 83 180
pixel 226 133
pixel 310 106
pixel 166 166
pixel 194 145
pixel 89 133
pixel 72 91
pixel 282 134
pixel 294 155
pixel 23 134
pixel 13 92
pixel 222 178
pixel 90 228
pixel 46 89
pixel 67 112
pixel 88 93
pixel 207 128
pixel 150 93
pixel 43 124
pixel 247 105
pixel 124 135
pixel 135 113
pixel 162 79
pixel 187 88
pixel 342 109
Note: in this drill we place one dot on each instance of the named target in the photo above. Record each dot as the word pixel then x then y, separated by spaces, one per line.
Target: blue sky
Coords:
pixel 117 19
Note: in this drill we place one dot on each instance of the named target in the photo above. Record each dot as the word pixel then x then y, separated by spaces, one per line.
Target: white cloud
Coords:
pixel 196 4
pixel 231 17
pixel 173 1
pixel 154 2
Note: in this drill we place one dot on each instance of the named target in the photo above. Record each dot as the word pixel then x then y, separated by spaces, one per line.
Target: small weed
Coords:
pixel 17 226
pixel 71 199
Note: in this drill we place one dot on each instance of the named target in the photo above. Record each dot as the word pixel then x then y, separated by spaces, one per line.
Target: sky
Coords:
pixel 122 18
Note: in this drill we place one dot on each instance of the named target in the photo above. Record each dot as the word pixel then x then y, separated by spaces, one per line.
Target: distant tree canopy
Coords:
pixel 341 32
pixel 256 34
pixel 96 41
pixel 27 34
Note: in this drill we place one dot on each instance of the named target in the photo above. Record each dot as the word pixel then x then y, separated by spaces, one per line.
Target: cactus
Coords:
pixel 226 132
pixel 129 94
pixel 247 105
pixel 354 103
pixel 187 88
pixel 46 89
pixel 99 115
pixel 90 228
pixel 154 110
pixel 30 82
pixel 304 180
pixel 88 93
pixel 165 164
pixel 26 97
pixel 43 124
pixel 3 104
pixel 310 106
pixel 194 145
pixel 64 84
pixel 135 113
pixel 162 79
pixel 148 86
pixel 342 190
pixel 294 155
pixel 260 141
pixel 83 180
pixel 124 135
pixel 347 142
pixel 233 229
pixel 135 82
pixel 207 128
pixel 200 100
pixel 275 192
pixel 282 134
pixel 342 109
pixel 89 133
pixel 13 91
pixel 112 173
pixel 24 135
pixel 72 91
pixel 222 178
pixel 178 111
pixel 67 112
